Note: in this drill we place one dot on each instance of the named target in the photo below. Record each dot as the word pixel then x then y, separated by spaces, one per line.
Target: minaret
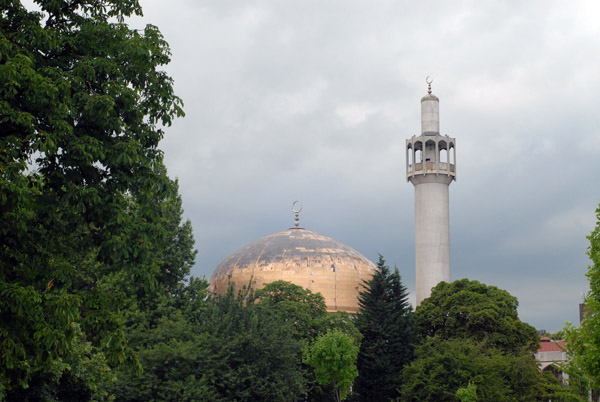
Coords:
pixel 431 167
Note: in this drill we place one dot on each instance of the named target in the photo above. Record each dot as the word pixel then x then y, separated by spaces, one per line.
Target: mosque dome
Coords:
pixel 303 257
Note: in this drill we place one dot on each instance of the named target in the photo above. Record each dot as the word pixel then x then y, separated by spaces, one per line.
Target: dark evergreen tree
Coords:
pixel 386 321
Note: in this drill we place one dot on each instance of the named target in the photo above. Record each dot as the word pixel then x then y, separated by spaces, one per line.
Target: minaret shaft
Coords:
pixel 432 233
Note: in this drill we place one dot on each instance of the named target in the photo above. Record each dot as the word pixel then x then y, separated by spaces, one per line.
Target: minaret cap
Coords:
pixel 430 112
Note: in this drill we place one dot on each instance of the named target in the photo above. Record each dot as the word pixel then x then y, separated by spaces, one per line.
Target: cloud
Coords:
pixel 355 113
pixel 314 100
pixel 557 233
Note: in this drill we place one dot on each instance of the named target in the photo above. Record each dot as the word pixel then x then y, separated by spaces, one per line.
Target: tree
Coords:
pixel 82 376
pixel 250 354
pixel 307 315
pixel 333 357
pixel 443 367
pixel 82 98
pixel 584 342
pixel 168 347
pixel 220 348
pixel 386 321
pixel 470 309
pixel 468 393
pixel 302 308
pixel 284 293
pixel 471 334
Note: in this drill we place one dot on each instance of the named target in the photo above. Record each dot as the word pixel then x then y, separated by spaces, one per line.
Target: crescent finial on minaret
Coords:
pixel 428 80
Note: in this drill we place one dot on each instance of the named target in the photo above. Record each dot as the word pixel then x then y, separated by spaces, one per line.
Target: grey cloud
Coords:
pixel 314 100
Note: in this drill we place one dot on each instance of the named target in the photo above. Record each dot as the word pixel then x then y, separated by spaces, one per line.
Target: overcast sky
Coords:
pixel 313 101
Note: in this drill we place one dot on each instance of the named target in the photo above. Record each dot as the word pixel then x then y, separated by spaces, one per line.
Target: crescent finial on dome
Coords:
pixel 296 213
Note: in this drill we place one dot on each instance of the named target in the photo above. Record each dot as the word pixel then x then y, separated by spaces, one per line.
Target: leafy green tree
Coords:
pixel 341 321
pixel 471 334
pixel 389 330
pixel 468 393
pixel 333 357
pixel 82 376
pixel 168 347
pixel 472 310
pixel 82 99
pixel 306 312
pixel 220 348
pixel 302 308
pixel 250 354
pixel 168 247
pixel 172 243
pixel 443 367
pixel 278 292
pixel 584 342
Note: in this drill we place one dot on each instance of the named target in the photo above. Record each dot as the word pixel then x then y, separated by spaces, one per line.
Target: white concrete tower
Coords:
pixel 431 167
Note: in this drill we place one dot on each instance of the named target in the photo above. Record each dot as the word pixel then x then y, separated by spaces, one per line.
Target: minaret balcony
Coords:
pixel 431 154
pixel 422 168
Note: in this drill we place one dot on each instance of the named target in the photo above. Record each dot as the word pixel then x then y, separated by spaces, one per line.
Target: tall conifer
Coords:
pixel 386 321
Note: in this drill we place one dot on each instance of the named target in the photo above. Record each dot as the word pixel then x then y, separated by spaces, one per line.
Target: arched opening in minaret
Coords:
pixel 418 152
pixel 409 155
pixel 443 147
pixel 451 153
pixel 430 155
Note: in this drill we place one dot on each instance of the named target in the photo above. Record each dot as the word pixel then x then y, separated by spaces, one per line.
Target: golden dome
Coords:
pixel 303 257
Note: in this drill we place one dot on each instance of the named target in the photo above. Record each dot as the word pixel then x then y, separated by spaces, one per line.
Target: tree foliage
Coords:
pixel 468 393
pixel 471 334
pixel 584 342
pixel 253 354
pixel 389 330
pixel 166 344
pixel 470 309
pixel 87 211
pixel 303 309
pixel 200 347
pixel 306 314
pixel 333 357
pixel 445 366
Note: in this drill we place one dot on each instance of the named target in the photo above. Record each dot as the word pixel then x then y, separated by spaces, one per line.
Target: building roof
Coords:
pixel 306 258
pixel 548 345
